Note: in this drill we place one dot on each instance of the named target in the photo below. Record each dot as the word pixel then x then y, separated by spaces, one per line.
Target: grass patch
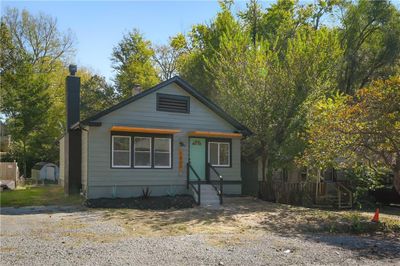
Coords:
pixel 35 196
pixel 299 219
pixel 241 216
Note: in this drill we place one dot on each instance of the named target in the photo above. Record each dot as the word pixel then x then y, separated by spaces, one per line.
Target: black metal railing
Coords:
pixel 220 179
pixel 191 183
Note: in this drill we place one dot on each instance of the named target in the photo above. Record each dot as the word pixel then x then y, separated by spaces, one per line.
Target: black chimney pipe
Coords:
pixel 73 139
pixel 73 97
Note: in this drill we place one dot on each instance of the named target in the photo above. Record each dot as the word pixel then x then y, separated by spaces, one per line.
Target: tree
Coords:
pixel 166 58
pixel 371 43
pixel 323 7
pixel 268 92
pixel 8 54
pixel 33 83
pixel 202 43
pixel 132 61
pixel 252 18
pixel 37 38
pixel 25 103
pixel 96 95
pixel 345 131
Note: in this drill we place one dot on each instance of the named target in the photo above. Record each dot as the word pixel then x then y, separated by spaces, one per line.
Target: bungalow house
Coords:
pixel 170 139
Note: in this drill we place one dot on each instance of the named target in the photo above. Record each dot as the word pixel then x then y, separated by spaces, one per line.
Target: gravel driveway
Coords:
pixel 74 236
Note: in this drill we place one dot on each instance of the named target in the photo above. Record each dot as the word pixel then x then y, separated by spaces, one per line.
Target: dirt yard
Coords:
pixel 244 232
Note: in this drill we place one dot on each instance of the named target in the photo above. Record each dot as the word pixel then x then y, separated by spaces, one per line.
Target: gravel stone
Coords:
pixel 68 236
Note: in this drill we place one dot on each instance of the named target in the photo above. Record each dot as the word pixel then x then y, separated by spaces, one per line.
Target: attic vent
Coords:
pixel 173 103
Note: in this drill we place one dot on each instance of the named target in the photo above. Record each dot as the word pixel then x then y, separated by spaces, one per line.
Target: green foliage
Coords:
pixel 166 57
pixel 364 179
pixel 204 41
pixel 131 60
pixel 33 86
pixel 269 67
pixel 371 43
pixel 270 89
pixel 7 51
pixel 96 95
pixel 37 39
pixel 345 131
pixel 25 102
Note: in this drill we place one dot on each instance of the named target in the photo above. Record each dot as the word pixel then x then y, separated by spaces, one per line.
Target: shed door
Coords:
pixel 50 173
pixel 197 155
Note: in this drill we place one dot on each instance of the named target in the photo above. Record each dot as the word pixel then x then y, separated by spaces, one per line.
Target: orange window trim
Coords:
pixel 214 134
pixel 144 130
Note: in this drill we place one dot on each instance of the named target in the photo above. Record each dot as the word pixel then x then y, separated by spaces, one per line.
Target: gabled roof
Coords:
pixel 189 89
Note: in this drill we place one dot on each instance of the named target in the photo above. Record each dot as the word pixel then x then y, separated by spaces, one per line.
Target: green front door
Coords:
pixel 197 155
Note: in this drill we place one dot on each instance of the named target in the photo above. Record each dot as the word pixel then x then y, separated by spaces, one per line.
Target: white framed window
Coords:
pixel 121 151
pixel 219 153
pixel 142 152
pixel 162 152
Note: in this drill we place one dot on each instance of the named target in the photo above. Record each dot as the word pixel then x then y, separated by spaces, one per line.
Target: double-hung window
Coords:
pixel 219 153
pixel 142 152
pixel 148 151
pixel 162 153
pixel 121 151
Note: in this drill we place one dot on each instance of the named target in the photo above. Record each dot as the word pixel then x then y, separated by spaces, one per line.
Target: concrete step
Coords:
pixel 209 197
pixel 209 203
pixel 208 191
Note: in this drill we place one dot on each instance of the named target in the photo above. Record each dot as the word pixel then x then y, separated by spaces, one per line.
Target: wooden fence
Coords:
pixel 9 173
pixel 302 193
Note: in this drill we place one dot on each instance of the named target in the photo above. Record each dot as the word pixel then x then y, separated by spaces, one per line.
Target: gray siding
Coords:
pixel 85 134
pixel 103 181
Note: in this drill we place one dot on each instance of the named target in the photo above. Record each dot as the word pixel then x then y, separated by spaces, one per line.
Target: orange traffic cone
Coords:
pixel 376 216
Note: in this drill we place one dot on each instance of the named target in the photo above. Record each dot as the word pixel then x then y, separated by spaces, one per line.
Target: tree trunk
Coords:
pixel 262 189
pixel 264 164
pixel 24 158
pixel 269 185
pixel 266 191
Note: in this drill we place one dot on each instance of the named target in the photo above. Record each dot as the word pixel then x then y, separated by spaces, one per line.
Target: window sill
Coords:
pixel 143 168
pixel 221 166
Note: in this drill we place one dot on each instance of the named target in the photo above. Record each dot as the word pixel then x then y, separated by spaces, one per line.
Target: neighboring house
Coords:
pixel 147 140
pixel 45 171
